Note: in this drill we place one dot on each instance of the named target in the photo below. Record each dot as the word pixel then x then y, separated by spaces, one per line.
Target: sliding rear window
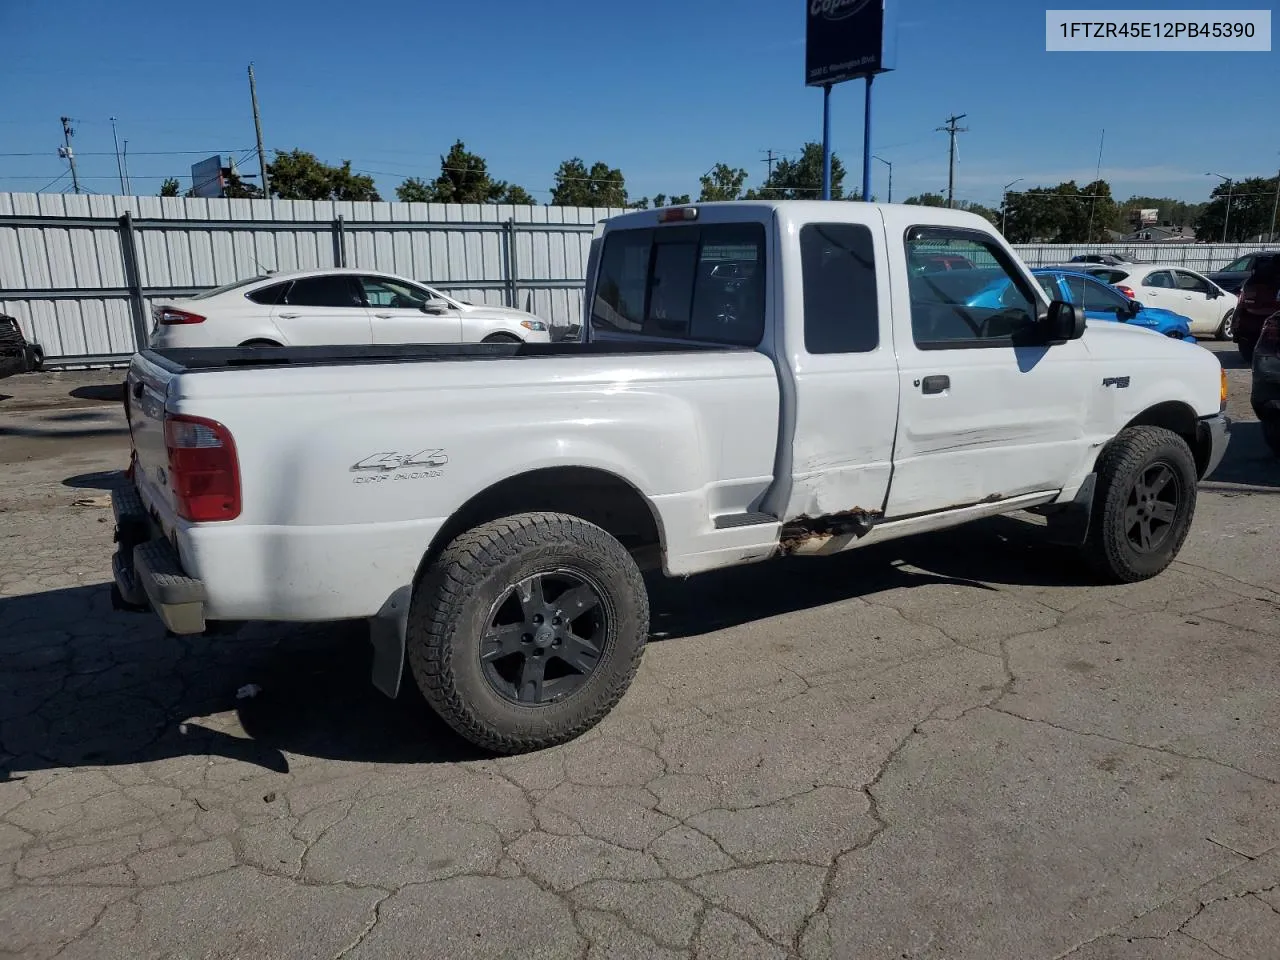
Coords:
pixel 693 282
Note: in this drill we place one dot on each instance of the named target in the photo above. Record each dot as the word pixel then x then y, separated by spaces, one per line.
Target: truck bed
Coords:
pixel 197 359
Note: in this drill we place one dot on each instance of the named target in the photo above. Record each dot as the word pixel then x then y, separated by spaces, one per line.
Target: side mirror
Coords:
pixel 435 307
pixel 1065 321
pixel 1135 308
pixel 1214 293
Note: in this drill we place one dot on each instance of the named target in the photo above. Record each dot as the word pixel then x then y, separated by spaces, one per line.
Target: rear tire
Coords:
pixel 501 661
pixel 1226 330
pixel 1144 504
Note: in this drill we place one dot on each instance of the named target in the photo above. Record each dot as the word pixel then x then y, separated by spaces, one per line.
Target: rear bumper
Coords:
pixel 147 571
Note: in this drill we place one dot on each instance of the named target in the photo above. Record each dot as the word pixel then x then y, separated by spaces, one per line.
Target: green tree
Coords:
pixel 722 182
pixel 1061 214
pixel 927 200
pixel 679 199
pixel 801 179
pixel 641 204
pixel 516 195
pixel 659 200
pixel 299 175
pixel 414 190
pixel 1179 213
pixel 578 186
pixel 170 187
pixel 1252 203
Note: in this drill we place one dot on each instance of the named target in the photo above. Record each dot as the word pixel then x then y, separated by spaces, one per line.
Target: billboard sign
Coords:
pixel 846 39
pixel 206 177
pixel 1148 217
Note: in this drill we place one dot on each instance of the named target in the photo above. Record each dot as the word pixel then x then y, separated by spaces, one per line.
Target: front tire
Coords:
pixel 501 338
pixel 1143 506
pixel 1227 329
pixel 526 631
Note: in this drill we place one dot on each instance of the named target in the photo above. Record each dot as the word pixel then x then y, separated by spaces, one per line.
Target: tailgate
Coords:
pixel 146 390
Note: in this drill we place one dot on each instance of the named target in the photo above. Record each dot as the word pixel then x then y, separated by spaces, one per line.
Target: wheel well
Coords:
pixel 502 338
pixel 1181 419
pixel 260 342
pixel 596 496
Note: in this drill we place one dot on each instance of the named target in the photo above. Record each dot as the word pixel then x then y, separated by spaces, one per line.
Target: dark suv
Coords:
pixel 1266 381
pixel 1259 299
pixel 1232 277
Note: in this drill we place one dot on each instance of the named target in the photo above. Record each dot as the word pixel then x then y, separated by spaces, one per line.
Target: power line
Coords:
pixel 136 153
pixel 64 173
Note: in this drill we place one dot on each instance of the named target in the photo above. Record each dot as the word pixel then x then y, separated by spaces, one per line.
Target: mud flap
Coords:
pixel 387 631
pixel 1069 525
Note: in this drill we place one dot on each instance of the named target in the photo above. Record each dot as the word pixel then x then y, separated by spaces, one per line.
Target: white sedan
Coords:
pixel 1209 309
pixel 335 306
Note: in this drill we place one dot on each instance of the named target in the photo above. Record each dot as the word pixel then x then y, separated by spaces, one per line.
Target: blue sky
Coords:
pixel 662 89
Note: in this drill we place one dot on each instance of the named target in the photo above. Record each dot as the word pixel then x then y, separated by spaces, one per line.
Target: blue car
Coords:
pixel 1099 300
pixel 1104 302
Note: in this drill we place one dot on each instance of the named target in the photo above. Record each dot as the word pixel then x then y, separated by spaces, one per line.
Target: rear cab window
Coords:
pixel 697 282
pixel 841 309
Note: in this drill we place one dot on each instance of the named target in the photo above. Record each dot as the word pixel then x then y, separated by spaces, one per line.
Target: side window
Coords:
pixel 268 296
pixel 1161 279
pixel 1240 265
pixel 1049 285
pixel 984 304
pixel 1189 281
pixel 1101 298
pixel 618 304
pixel 327 291
pixel 841 312
pixel 383 292
pixel 1075 286
pixel 685 281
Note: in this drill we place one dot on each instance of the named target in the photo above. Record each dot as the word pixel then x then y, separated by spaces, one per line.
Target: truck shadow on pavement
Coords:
pixel 84 685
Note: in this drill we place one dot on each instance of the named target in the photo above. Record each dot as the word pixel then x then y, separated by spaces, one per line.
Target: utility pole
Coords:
pixel 119 165
pixel 128 184
pixel 952 129
pixel 1093 203
pixel 890 166
pixel 257 127
pixel 770 157
pixel 68 153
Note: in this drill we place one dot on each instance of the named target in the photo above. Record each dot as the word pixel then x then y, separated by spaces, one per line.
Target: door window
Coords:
pixel 1049 285
pixel 268 296
pixel 989 303
pixel 841 312
pixel 392 294
pixel 1240 265
pixel 328 291
pixel 1161 279
pixel 1100 298
pixel 687 282
pixel 1192 283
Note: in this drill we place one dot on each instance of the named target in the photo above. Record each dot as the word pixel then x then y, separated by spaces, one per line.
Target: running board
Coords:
pixel 730 521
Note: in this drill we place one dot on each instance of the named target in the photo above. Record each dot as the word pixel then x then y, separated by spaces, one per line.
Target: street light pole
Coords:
pixel 890 166
pixel 1231 189
pixel 1004 206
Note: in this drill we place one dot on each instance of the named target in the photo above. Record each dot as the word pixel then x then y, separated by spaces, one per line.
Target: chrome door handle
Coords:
pixel 384 316
pixel 288 316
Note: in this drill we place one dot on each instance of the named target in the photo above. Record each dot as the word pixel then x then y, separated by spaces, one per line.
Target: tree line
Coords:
pixel 1063 213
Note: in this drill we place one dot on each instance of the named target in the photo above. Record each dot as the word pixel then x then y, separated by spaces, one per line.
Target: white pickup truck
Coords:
pixel 758 380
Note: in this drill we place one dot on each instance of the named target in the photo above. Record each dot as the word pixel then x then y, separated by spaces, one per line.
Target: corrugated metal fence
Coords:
pixel 80 272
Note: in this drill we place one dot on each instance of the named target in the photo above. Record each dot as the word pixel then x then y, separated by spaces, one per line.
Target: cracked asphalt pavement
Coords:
pixel 949 747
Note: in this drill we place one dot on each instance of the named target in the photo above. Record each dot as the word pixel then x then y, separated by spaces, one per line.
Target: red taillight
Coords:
pixel 1127 291
pixel 169 317
pixel 204 471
